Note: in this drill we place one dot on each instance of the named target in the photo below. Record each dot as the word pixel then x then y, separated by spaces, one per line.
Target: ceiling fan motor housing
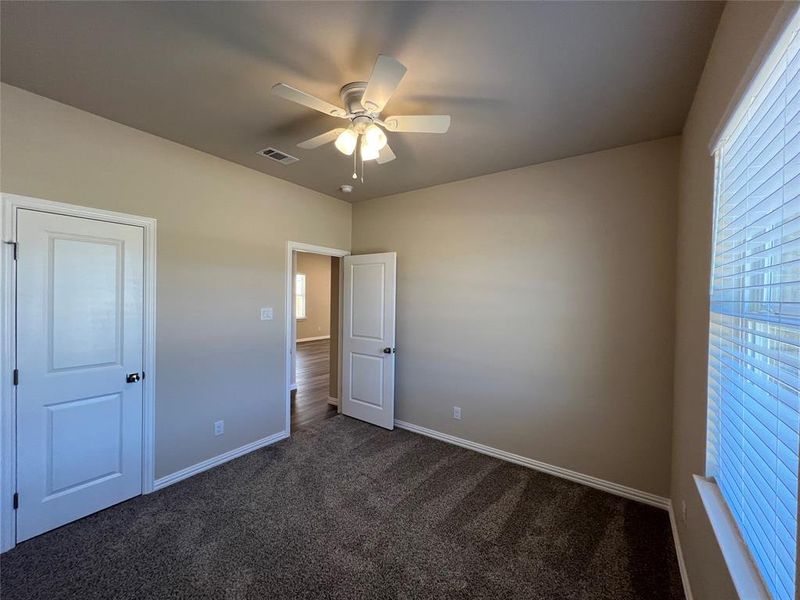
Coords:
pixel 351 95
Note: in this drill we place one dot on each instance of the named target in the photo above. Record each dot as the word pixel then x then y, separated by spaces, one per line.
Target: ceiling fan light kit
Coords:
pixel 363 103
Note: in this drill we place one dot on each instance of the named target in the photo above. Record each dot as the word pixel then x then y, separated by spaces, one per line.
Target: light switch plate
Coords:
pixel 266 313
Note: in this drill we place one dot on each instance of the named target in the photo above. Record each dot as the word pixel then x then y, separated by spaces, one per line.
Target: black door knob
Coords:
pixel 132 377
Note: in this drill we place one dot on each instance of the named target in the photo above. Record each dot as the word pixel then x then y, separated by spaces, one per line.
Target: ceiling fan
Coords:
pixel 363 102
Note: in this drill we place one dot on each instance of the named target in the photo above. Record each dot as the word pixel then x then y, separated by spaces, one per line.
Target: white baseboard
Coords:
pixel 218 460
pixel 314 339
pixel 601 484
pixel 333 401
pixel 687 589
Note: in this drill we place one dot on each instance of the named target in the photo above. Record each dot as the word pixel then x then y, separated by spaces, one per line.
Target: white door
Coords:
pixel 368 338
pixel 79 336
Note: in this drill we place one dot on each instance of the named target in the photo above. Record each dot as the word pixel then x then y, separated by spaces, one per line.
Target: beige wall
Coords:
pixel 540 301
pixel 742 29
pixel 317 269
pixel 222 234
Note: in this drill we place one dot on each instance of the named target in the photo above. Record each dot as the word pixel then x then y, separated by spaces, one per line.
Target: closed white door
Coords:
pixel 79 337
pixel 368 349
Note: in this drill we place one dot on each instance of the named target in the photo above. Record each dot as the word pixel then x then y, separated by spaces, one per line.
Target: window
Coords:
pixel 754 339
pixel 300 296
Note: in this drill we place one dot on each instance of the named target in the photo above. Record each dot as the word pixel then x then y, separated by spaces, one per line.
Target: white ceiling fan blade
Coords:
pixel 321 139
pixel 385 155
pixel 386 76
pixel 287 92
pixel 418 124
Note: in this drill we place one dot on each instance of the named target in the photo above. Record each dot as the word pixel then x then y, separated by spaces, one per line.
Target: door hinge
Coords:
pixel 16 376
pixel 16 500
pixel 13 249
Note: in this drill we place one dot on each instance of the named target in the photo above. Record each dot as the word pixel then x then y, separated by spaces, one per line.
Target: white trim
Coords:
pixel 289 342
pixel 292 387
pixel 210 463
pixel 780 33
pixel 687 588
pixel 601 484
pixel 312 249
pixel 313 339
pixel 744 573
pixel 9 204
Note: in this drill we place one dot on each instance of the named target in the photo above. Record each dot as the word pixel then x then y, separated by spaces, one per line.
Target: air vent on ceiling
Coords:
pixel 278 156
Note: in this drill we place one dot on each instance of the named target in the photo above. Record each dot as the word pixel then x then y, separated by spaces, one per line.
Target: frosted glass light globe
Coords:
pixel 346 142
pixel 367 151
pixel 375 137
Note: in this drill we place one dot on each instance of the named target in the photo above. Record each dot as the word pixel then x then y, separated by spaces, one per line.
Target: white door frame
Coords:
pixel 291 248
pixel 9 204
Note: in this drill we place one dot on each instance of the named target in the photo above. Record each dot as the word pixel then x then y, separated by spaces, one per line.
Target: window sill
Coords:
pixel 744 573
pixel 300 318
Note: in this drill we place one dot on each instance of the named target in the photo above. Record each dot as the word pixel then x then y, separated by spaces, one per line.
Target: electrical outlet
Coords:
pixel 683 511
pixel 219 427
pixel 457 412
pixel 266 313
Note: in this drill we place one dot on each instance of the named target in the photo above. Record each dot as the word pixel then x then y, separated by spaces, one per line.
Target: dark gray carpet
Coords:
pixel 347 510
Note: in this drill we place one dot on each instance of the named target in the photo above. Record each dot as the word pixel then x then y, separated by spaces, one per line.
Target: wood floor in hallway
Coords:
pixel 310 401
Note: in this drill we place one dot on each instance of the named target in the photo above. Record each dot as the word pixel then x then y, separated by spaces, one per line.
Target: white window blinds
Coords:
pixel 754 350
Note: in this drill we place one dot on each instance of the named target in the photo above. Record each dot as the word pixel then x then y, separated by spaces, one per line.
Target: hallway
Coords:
pixel 310 400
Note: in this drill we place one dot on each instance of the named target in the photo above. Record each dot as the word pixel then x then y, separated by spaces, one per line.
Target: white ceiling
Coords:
pixel 525 82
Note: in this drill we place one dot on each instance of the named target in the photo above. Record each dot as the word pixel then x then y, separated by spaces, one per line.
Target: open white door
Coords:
pixel 79 352
pixel 368 338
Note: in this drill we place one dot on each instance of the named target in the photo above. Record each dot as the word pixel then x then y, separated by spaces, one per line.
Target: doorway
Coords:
pixel 313 327
pixel 316 291
pixel 363 339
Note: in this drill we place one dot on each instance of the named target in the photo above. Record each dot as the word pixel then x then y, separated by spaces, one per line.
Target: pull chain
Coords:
pixel 357 152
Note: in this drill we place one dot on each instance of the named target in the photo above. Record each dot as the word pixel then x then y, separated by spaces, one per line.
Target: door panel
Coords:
pixel 367 329
pixel 368 301
pixel 85 309
pixel 79 333
pixel 367 379
pixel 79 456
